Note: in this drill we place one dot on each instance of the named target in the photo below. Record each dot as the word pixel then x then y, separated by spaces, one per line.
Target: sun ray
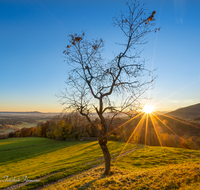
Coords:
pixel 164 124
pixel 146 130
pixel 130 137
pixel 155 129
pixel 159 138
pixel 168 128
pixel 182 121
pixel 155 44
pixel 121 125
pixel 177 92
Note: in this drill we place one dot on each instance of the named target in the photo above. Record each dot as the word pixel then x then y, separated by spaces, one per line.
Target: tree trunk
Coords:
pixel 102 143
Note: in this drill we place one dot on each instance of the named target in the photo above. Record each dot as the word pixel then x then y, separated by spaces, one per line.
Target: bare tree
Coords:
pixel 97 86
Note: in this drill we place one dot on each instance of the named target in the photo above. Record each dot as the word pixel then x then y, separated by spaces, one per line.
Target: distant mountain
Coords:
pixel 186 113
pixel 33 112
pixel 27 114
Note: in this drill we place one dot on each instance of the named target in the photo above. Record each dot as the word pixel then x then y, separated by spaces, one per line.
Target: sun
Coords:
pixel 148 108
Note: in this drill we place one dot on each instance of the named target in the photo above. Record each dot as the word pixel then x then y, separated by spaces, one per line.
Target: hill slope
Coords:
pixel 50 161
pixel 36 158
pixel 187 113
pixel 144 168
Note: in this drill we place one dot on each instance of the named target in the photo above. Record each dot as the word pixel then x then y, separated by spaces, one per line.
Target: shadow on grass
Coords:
pixel 94 143
pixel 30 151
pixel 87 185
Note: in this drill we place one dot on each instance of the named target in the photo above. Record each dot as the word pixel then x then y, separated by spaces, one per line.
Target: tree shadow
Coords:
pixel 86 185
pixel 22 153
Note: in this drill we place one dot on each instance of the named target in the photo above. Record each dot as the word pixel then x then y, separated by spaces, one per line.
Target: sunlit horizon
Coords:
pixel 156 108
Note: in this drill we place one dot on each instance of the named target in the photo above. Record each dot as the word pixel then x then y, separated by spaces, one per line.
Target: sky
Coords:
pixel 33 35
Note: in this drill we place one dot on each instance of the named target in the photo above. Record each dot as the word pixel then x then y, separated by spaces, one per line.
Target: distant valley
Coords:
pixel 12 121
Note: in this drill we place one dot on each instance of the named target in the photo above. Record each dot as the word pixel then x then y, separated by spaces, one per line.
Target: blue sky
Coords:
pixel 33 35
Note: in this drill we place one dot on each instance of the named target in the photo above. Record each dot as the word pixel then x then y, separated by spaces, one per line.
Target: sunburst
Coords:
pixel 148 108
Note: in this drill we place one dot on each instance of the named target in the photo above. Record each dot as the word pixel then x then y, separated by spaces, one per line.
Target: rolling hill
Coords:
pixel 186 113
pixel 41 163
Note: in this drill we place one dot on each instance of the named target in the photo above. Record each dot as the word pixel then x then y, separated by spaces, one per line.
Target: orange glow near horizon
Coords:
pixel 150 115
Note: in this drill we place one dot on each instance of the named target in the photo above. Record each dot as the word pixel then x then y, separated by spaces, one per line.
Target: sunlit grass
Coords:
pixel 37 157
pixel 152 156
pixel 144 168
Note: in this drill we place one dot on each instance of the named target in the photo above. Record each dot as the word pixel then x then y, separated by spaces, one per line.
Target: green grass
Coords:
pixel 144 168
pixel 37 157
pixel 154 157
pixel 180 176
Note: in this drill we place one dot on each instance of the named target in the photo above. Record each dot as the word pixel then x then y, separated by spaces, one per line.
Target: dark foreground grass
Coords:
pixel 37 157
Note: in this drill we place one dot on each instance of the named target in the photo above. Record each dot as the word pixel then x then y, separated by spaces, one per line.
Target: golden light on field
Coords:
pixel 148 108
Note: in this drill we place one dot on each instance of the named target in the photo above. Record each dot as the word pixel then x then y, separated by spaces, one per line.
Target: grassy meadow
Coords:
pixel 143 167
pixel 180 176
pixel 37 157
